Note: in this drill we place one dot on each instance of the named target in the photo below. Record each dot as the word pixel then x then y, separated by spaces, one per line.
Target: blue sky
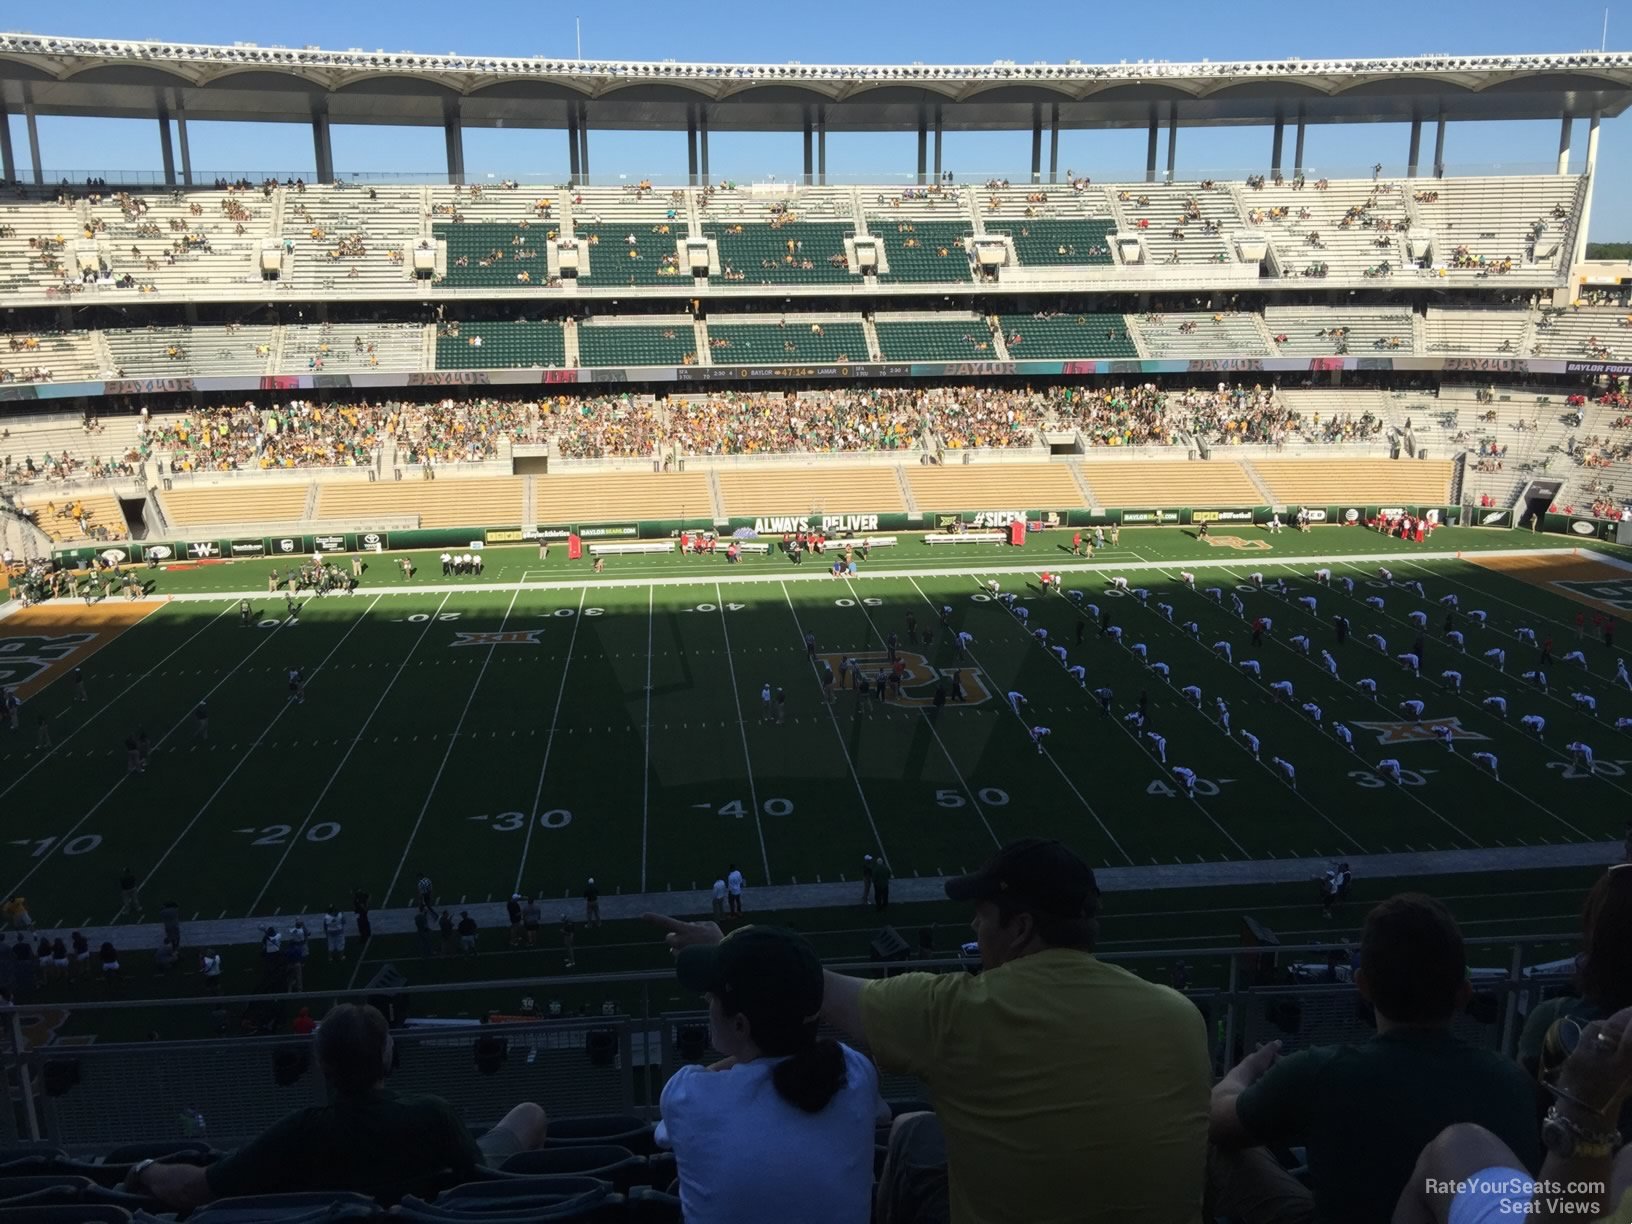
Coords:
pixel 954 31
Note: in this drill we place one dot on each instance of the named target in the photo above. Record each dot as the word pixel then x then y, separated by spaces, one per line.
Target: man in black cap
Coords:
pixel 1065 1089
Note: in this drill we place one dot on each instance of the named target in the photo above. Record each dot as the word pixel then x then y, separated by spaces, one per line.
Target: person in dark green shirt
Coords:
pixel 1365 1111
pixel 366 1139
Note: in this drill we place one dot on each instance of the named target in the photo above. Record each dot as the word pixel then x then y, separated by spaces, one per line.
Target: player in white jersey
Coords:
pixel 1450 601
pixel 1008 599
pixel 1187 779
pixel 1307 603
pixel 1037 736
pixel 1453 637
pixel 1411 709
pixel 1536 677
pixel 1477 616
pixel 1267 622
pixel 1115 634
pixel 1525 634
pixel 1257 579
pixel 1023 612
pixel 1299 642
pixel 1061 655
pixel 1497 656
pixel 1192 694
pixel 1103 696
pixel 1139 650
pixel 1079 673
pixel 992 587
pixel 1189 579
pixel 1375 602
pixel 1330 662
pixel 1497 706
pixel 1620 674
pixel 765 711
pixel 1411 661
pixel 1288 771
pixel 1075 597
pixel 1119 583
pixel 1251 741
pixel 1387 575
pixel 1446 736
pixel 1389 768
pixel 1135 719
pixel 1215 594
pixel 1160 742
pixel 1142 595
pixel 1344 735
pixel 297 686
pixel 1225 649
pixel 1533 723
pixel 1586 703
pixel 1347 585
pixel 1251 667
pixel 1161 669
pixel 1166 609
pixel 1487 762
pixel 1582 754
pixel 1323 577
pixel 1193 629
pixel 1378 642
pixel 1578 658
pixel 964 639
pixel 1452 680
pixel 1236 606
pixel 1367 685
pixel 1017 700
pixel 1274 524
pixel 1418 618
pixel 1223 709
pixel 1041 635
pixel 1313 711
pixel 1282 689
pixel 1623 724
pixel 1092 611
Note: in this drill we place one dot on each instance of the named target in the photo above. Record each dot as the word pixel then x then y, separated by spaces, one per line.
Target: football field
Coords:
pixel 535 726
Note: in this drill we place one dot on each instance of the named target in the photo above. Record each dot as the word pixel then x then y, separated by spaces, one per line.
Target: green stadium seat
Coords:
pixel 762 254
pixel 1067 335
pixel 602 344
pixel 502 344
pixel 1046 243
pixel 922 250
pixel 494 244
pixel 965 339
pixel 762 343
pixel 651 259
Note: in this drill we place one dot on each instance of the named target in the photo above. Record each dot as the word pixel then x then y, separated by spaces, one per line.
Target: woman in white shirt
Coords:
pixel 782 1127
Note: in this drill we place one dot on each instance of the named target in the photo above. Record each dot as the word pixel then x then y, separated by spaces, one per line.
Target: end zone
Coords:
pixel 40 644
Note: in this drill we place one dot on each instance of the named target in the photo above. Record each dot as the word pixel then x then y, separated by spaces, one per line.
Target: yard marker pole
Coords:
pixel 250 751
pixel 350 748
pixel 646 772
pixel 159 743
pixel 549 740
pixel 742 729
pixel 102 706
pixel 861 792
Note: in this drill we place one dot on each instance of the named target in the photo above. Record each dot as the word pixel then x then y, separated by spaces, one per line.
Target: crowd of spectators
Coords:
pixel 462 431
pixel 852 419
pixel 247 436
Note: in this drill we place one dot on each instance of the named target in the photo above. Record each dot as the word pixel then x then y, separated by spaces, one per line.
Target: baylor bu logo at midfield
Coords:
pixel 497 637
pixel 917 682
pixel 1416 732
pixel 24 658
pixel 1239 543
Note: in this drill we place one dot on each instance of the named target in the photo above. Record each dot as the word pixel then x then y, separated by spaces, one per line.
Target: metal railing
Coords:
pixel 94 1095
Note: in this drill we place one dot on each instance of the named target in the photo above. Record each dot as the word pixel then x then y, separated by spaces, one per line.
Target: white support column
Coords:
pixel 186 153
pixel 32 121
pixel 1564 144
pixel 1592 181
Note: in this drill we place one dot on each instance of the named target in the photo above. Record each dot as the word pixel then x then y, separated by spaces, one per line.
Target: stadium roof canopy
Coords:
pixel 110 78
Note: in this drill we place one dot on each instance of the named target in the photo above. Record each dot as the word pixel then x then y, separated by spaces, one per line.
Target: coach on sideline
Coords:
pixel 1066 1090
pixel 366 1138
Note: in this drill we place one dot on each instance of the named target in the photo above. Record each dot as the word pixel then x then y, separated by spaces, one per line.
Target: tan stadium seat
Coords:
pixel 1324 481
pixel 622 496
pixel 994 486
pixel 853 490
pixel 438 503
pixel 238 503
pixel 101 510
pixel 1215 483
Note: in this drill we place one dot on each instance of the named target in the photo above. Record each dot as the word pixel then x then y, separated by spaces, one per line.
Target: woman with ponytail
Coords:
pixel 782 1127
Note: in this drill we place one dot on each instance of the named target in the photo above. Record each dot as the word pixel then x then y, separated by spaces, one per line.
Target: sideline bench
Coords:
pixel 632 546
pixel 966 537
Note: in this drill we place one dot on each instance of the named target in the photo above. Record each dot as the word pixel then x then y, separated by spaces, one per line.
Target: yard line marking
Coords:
pixel 430 793
pixel 78 824
pixel 250 751
pixel 742 730
pixel 549 740
pixel 646 770
pixel 839 735
pixel 294 838
pixel 1139 743
pixel 102 706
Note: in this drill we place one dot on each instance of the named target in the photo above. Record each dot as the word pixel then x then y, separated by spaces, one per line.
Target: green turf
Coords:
pixel 626 743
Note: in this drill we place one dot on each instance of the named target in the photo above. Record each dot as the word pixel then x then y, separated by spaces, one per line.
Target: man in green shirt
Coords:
pixel 365 1139
pixel 1365 1111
